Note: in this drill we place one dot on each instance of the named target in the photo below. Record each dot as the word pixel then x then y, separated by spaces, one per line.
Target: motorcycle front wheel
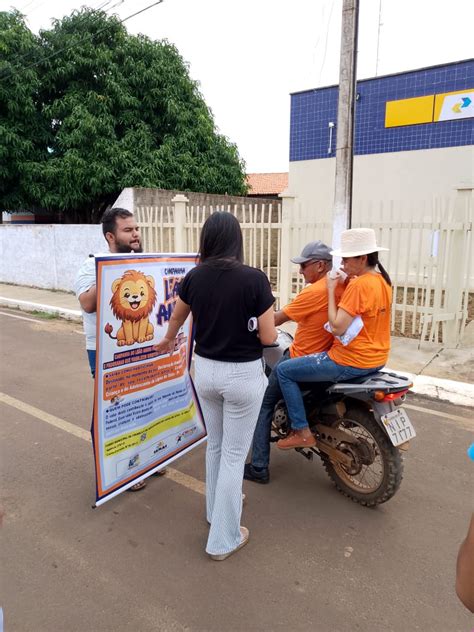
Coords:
pixel 376 470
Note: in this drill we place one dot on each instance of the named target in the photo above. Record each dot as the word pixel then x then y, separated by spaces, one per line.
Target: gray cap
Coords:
pixel 314 250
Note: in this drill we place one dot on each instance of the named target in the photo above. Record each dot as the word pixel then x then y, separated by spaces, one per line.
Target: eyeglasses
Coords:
pixel 309 263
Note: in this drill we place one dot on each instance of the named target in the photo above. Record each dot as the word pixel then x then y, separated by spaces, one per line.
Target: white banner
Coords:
pixel 146 412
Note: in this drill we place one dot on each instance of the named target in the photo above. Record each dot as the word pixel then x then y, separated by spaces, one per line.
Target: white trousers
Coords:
pixel 230 394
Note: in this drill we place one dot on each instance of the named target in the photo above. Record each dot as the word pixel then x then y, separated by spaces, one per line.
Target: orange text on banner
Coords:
pixel 136 378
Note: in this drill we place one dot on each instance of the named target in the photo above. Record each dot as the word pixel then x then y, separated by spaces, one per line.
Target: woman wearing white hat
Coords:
pixel 365 305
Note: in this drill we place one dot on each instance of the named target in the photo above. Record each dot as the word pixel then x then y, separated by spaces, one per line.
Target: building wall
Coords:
pixel 312 111
pixel 406 177
pixel 48 255
pixel 406 162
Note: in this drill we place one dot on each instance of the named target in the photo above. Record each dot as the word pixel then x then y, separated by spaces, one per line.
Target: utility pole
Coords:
pixel 345 120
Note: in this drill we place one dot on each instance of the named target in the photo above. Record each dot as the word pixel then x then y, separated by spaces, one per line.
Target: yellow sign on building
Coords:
pixel 433 108
pixel 409 111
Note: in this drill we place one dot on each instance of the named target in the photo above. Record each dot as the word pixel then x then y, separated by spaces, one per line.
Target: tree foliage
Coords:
pixel 110 110
pixel 24 132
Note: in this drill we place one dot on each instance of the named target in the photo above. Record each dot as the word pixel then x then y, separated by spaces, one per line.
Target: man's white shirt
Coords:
pixel 85 279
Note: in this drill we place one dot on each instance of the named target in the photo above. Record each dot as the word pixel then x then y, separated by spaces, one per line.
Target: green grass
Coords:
pixel 44 315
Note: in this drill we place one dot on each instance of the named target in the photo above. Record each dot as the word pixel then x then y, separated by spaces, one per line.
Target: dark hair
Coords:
pixel 372 261
pixel 109 219
pixel 221 239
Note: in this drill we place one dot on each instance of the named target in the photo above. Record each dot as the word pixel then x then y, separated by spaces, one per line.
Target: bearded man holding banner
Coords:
pixel 122 234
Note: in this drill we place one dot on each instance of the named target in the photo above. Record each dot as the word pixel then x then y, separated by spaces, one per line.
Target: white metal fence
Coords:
pixel 430 258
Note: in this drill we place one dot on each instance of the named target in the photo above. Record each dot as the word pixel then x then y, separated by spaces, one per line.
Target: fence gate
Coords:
pixel 430 258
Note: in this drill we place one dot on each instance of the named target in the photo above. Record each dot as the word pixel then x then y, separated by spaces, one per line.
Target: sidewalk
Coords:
pixel 432 368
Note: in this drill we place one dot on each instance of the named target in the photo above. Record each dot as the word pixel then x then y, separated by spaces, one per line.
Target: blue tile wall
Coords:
pixel 311 111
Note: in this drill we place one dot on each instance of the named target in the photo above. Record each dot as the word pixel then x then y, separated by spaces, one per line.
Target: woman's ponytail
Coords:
pixel 372 261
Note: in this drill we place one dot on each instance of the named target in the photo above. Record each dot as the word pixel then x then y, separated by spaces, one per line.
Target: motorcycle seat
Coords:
pixel 362 378
pixel 377 380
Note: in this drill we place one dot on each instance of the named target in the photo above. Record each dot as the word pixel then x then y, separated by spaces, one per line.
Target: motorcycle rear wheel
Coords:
pixel 367 484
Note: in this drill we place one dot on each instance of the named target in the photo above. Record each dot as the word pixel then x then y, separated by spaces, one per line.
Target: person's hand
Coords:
pixel 333 278
pixel 166 345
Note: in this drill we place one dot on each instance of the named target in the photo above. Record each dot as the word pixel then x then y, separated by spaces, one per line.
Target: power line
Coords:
pixel 104 4
pixel 34 8
pixel 325 45
pixel 378 38
pixel 318 40
pixel 61 50
pixel 27 5
pixel 100 8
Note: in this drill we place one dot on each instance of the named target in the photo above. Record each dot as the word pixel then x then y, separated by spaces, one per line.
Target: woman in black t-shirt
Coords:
pixel 223 294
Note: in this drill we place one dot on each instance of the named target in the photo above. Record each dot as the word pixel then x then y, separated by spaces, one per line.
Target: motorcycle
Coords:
pixel 360 428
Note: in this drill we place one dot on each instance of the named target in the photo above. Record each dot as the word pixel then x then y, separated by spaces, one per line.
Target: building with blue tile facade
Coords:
pixel 414 136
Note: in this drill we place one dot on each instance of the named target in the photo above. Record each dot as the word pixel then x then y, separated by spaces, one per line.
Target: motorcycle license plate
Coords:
pixel 398 426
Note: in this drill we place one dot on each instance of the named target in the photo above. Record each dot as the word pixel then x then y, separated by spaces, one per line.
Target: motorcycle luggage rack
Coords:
pixel 389 382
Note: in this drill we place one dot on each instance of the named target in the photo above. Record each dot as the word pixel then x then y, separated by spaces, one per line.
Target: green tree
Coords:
pixel 121 111
pixel 24 131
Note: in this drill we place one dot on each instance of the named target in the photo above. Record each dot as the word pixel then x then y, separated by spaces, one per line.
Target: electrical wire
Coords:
pixel 323 7
pixel 378 39
pixel 27 5
pixel 61 50
pixel 35 7
pixel 100 8
pixel 326 44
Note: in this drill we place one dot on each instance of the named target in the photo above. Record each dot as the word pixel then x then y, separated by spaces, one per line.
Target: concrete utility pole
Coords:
pixel 345 120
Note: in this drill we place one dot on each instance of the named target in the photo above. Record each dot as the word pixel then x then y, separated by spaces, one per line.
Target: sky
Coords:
pixel 249 55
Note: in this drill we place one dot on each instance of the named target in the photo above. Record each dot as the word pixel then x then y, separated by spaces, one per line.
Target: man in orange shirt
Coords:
pixel 310 310
pixel 361 320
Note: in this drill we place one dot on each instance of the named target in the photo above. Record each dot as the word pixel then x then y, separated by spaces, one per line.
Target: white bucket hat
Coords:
pixel 356 242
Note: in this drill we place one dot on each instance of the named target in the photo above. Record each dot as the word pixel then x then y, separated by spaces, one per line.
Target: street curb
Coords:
pixel 459 393
pixel 27 306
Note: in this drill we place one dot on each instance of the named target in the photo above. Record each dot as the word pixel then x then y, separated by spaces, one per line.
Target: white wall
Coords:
pixel 406 176
pixel 47 255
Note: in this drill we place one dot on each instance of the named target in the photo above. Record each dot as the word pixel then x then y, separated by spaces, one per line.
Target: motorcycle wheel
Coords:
pixel 377 469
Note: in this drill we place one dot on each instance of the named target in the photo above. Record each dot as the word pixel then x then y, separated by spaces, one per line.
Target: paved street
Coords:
pixel 315 560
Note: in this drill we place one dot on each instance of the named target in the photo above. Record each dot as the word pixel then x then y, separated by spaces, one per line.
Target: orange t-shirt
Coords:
pixel 310 310
pixel 369 297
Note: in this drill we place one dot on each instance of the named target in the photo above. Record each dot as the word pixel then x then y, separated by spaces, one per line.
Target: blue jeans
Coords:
pixel 261 437
pixel 91 354
pixel 314 368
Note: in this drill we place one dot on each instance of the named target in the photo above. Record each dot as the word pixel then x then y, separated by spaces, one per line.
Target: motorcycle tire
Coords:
pixel 390 457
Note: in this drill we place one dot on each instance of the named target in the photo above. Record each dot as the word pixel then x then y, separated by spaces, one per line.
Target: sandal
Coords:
pixel 244 538
pixel 160 472
pixel 137 487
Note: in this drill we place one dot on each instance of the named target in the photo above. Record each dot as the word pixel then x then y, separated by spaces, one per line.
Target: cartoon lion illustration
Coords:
pixel 132 302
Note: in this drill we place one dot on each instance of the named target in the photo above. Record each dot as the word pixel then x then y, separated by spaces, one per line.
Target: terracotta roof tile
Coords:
pixel 267 183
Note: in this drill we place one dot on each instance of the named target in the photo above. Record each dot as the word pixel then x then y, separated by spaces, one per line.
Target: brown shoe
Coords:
pixel 297 439
pixel 160 472
pixel 137 487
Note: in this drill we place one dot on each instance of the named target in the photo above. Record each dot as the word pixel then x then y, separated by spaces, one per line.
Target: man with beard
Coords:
pixel 122 234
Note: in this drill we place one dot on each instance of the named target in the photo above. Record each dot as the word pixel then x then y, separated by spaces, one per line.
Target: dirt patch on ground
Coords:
pixel 405 327
pixel 57 325
pixel 44 322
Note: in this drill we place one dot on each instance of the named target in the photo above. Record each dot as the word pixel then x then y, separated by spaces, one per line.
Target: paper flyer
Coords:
pixel 146 412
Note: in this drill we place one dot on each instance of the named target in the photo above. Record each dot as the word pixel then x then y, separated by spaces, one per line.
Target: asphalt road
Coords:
pixel 315 561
